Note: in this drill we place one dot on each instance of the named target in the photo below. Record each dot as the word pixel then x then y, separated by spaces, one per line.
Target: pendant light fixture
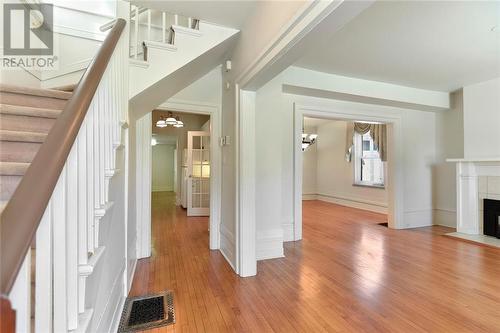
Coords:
pixel 171 120
pixel 308 139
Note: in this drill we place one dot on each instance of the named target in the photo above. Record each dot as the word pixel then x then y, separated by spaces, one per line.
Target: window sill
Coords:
pixel 382 187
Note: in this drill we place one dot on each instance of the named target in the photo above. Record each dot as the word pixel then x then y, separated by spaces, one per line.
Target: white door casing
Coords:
pixel 143 171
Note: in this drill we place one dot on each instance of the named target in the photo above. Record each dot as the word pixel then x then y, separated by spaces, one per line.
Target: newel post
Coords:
pixel 7 316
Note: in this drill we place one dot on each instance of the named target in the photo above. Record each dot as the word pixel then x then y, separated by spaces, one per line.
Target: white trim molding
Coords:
pixel 143 185
pixel 445 217
pixel 227 246
pixel 372 206
pixel 247 263
pixel 270 244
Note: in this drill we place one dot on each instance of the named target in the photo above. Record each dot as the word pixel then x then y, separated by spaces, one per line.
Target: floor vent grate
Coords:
pixel 384 224
pixel 145 312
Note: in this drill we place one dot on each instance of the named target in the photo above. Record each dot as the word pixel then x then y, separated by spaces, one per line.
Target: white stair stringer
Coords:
pixel 170 68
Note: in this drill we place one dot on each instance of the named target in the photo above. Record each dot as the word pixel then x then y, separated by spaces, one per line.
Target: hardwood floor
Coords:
pixel 348 274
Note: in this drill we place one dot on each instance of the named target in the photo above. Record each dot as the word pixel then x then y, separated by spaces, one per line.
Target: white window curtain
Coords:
pixel 378 133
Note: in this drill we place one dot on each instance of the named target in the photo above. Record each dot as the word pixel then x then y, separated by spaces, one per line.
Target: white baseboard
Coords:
pixel 288 234
pixel 130 278
pixel 227 246
pixel 269 244
pixel 309 196
pixel 110 316
pixel 417 219
pixel 372 206
pixel 162 189
pixel 117 316
pixel 445 218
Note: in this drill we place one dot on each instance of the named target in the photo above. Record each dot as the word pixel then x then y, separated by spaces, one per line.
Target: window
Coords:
pixel 368 168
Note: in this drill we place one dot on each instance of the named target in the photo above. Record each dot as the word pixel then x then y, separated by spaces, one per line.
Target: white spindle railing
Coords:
pixel 149 27
pixel 67 239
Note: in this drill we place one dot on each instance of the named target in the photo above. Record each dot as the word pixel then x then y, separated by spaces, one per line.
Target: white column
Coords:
pixel 246 183
pixel 467 199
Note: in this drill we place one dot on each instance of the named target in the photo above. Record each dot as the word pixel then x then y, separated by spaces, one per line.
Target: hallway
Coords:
pixel 349 274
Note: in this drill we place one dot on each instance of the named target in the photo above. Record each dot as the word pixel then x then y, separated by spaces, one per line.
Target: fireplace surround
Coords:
pixel 477 179
pixel 491 219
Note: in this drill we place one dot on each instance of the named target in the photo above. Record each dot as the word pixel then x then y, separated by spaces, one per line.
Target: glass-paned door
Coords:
pixel 198 173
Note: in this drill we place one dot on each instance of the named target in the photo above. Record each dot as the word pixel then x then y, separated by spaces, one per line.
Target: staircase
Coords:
pixel 61 153
pixel 171 52
pixel 26 116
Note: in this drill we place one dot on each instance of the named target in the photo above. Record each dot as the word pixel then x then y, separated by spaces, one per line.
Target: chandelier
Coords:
pixel 308 140
pixel 169 120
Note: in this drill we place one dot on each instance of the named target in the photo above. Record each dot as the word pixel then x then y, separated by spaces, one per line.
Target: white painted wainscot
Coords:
pixel 477 179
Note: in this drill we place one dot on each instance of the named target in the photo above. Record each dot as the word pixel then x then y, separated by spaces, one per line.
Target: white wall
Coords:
pixel 449 144
pixel 482 119
pixel 162 168
pixel 335 175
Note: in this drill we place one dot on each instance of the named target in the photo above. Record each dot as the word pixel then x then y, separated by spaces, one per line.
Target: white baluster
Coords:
pixel 163 26
pixel 101 148
pixel 136 32
pixel 72 236
pixel 176 19
pixel 190 22
pixel 91 193
pixel 60 278
pixel 83 208
pixel 20 296
pixel 149 24
pixel 43 275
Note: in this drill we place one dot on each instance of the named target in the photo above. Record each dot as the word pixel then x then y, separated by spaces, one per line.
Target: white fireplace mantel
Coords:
pixel 468 172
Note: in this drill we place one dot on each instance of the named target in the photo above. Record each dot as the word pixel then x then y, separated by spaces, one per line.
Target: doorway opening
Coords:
pixel 348 169
pixel 181 159
pixel 344 162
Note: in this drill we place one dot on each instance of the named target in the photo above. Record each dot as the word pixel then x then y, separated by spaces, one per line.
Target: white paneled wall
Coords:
pixel 67 240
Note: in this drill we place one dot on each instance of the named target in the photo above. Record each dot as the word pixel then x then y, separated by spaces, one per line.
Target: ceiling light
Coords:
pixel 171 120
pixel 179 124
pixel 161 123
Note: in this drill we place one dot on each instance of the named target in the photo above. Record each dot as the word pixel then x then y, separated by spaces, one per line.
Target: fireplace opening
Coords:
pixel 491 218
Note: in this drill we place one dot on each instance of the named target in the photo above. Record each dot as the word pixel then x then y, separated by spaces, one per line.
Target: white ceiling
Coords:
pixel 227 13
pixel 438 45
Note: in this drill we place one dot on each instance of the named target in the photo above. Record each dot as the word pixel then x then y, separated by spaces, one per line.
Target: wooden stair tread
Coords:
pixel 20 110
pixel 21 136
pixel 51 93
pixel 13 168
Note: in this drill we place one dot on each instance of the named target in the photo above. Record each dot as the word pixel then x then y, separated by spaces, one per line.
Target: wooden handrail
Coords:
pixel 20 218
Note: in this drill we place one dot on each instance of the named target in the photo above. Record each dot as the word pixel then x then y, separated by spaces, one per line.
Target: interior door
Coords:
pixel 198 185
